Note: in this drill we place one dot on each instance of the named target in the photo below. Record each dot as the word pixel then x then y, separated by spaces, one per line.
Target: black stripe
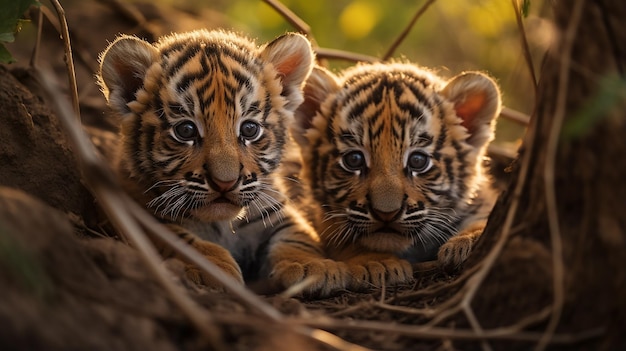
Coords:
pixel 440 141
pixel 183 57
pixel 307 246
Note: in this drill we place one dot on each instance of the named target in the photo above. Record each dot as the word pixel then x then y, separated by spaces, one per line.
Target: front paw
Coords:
pixel 456 250
pixel 323 276
pixel 378 270
pixel 218 256
pixel 200 277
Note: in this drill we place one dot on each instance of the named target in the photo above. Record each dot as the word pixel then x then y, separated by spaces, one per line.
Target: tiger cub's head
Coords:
pixel 204 117
pixel 393 154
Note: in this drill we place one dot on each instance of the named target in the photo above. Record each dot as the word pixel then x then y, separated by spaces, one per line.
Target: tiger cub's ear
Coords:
pixel 123 66
pixel 320 84
pixel 292 57
pixel 476 100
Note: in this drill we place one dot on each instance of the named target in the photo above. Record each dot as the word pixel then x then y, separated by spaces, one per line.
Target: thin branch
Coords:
pixel 293 19
pixel 551 151
pixel 324 53
pixel 515 116
pixel 406 30
pixel 475 324
pixel 69 61
pixel 524 42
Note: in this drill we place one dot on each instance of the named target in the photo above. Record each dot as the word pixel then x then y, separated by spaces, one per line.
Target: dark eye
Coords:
pixel 185 131
pixel 418 162
pixel 353 161
pixel 250 130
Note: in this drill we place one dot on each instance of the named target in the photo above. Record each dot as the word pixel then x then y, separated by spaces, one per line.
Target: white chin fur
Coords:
pixel 217 212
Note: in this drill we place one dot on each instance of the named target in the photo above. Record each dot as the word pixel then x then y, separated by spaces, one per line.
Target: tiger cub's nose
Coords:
pixel 385 216
pixel 223 185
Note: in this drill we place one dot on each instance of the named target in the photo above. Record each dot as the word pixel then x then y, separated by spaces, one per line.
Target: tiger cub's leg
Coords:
pixel 296 255
pixel 212 252
pixel 458 248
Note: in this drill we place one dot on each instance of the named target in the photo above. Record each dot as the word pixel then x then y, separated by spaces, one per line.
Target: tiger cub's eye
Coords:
pixel 250 130
pixel 185 131
pixel 353 160
pixel 419 162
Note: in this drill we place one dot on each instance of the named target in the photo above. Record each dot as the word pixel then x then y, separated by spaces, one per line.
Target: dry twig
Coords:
pixel 406 30
pixel 69 61
pixel 293 19
pixel 524 43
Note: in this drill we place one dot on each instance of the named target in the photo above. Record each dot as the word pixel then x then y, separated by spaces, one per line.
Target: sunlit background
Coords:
pixel 450 37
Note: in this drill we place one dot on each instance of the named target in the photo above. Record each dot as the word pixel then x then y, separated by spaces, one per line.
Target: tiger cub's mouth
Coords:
pixel 218 209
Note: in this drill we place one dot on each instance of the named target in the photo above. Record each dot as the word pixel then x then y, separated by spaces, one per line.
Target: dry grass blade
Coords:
pixel 35 55
pixel 407 30
pixel 69 61
pixel 549 174
pixel 100 182
pixel 244 295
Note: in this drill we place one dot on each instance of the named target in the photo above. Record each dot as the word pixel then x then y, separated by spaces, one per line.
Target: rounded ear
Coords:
pixel 477 102
pixel 320 84
pixel 123 66
pixel 292 57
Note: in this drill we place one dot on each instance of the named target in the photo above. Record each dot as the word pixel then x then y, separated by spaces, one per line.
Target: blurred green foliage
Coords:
pixel 611 94
pixel 452 35
pixel 11 12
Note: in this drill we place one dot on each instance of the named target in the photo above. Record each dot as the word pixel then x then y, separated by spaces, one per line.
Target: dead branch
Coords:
pixel 293 19
pixel 524 43
pixel 407 30
pixel 69 61
pixel 334 54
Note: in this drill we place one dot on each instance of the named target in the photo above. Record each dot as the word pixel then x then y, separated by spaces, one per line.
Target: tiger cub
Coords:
pixel 393 157
pixel 204 122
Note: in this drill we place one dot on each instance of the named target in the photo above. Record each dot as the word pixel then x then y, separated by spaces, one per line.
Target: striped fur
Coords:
pixel 393 157
pixel 204 125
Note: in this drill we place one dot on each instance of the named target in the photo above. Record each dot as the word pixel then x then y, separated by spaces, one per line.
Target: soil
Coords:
pixel 68 283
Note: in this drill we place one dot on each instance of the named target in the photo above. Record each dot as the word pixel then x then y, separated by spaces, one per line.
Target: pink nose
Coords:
pixel 223 186
pixel 385 216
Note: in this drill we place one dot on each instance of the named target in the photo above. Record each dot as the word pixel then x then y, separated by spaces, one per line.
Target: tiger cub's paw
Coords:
pixel 378 270
pixel 221 258
pixel 320 277
pixel 457 249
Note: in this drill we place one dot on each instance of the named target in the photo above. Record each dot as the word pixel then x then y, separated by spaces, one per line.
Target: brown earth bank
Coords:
pixel 68 284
